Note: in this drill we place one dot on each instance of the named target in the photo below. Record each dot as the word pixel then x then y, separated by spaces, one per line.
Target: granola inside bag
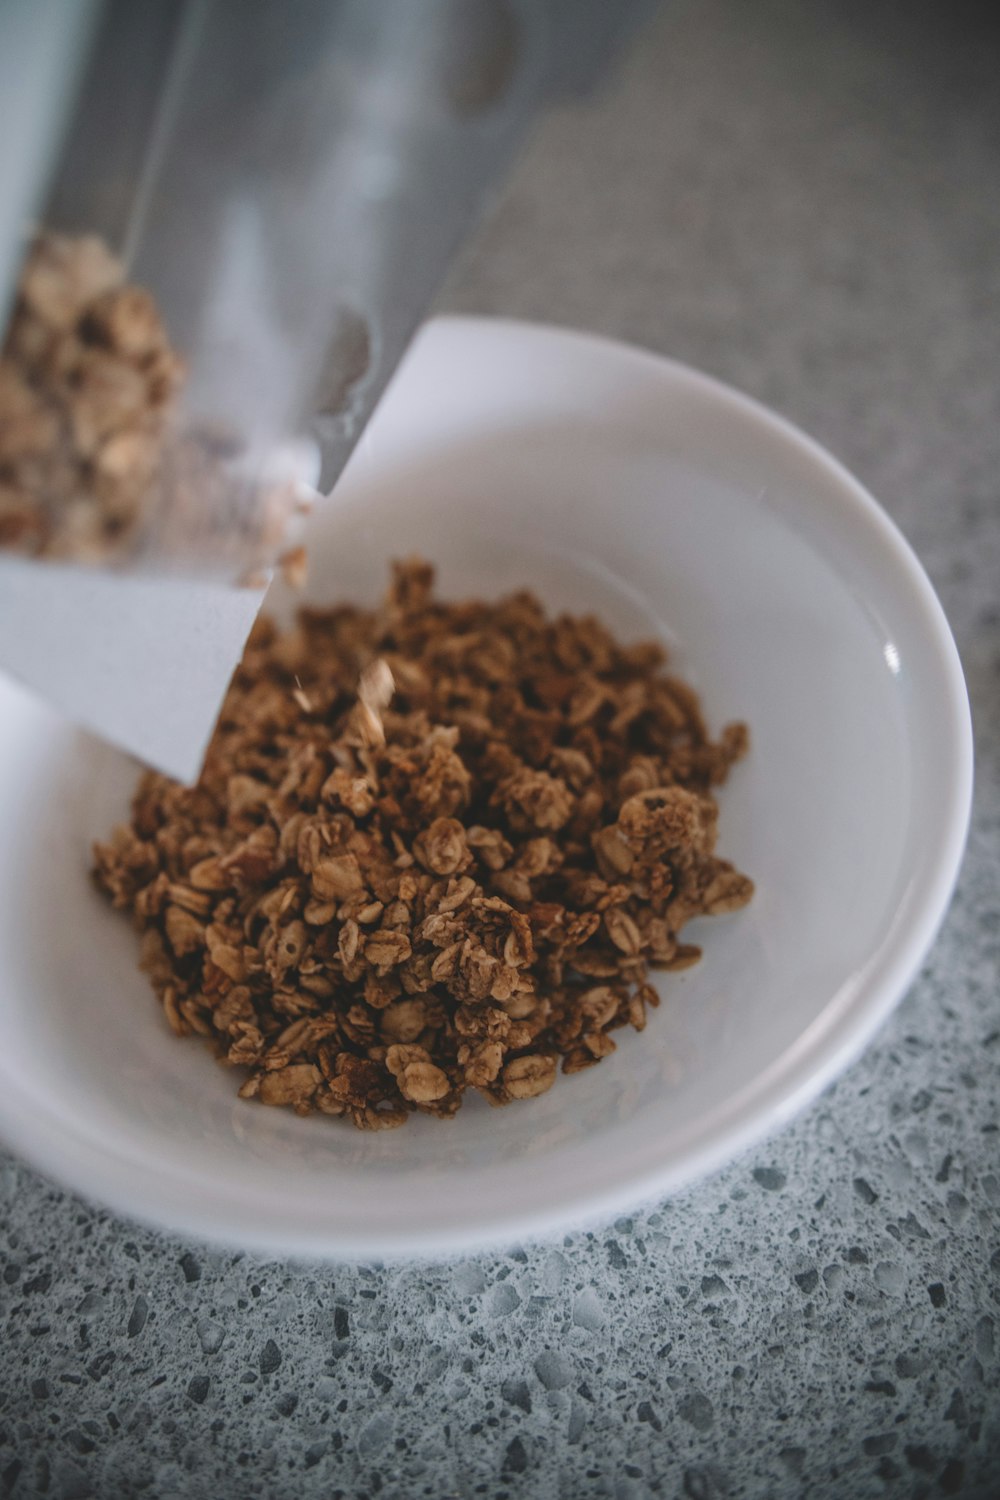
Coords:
pixel 99 461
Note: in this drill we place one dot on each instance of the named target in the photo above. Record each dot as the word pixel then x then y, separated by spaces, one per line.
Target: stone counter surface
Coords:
pixel 803 199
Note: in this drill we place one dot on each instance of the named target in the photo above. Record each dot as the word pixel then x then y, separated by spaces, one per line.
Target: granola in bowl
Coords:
pixel 435 847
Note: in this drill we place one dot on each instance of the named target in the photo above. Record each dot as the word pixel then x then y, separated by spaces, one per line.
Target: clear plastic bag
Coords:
pixel 289 181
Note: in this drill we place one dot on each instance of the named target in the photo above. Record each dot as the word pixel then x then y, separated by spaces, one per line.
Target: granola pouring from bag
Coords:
pixel 434 847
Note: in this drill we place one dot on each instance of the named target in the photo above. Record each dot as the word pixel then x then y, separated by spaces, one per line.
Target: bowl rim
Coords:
pixel 161 1194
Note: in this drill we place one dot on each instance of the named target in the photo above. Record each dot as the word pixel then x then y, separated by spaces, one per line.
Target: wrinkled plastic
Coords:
pixel 290 180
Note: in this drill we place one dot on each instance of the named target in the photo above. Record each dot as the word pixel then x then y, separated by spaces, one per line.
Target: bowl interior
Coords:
pixel 607 482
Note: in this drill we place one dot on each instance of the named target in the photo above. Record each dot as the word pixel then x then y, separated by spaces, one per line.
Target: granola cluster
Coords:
pixel 87 382
pixel 434 847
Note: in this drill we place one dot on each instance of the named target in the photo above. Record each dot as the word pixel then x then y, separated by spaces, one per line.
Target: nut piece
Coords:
pixel 375 691
pixel 336 878
pixel 728 892
pixel 419 1079
pixel 614 857
pixel 292 1085
pixel 422 1083
pixel 599 1005
pixel 386 948
pixel 185 933
pixel 404 1020
pixel 482 1063
pixel 524 1077
pixel 442 847
pixel 623 931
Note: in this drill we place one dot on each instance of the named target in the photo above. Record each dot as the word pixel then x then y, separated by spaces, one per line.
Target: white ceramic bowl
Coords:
pixel 612 481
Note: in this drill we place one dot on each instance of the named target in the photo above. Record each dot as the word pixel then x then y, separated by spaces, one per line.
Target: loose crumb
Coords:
pixel 434 847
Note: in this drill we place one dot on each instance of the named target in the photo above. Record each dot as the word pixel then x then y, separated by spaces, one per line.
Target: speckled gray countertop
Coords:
pixel 805 201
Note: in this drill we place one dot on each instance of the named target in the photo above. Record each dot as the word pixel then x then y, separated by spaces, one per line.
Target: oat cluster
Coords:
pixel 434 847
pixel 87 382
